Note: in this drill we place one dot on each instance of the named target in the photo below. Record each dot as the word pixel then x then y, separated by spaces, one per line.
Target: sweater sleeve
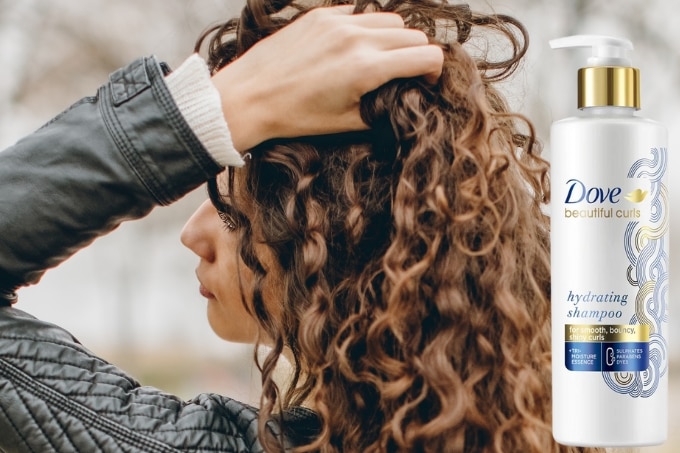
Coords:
pixel 200 104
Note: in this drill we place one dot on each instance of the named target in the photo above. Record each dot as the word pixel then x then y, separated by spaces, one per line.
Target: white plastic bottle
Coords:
pixel 609 245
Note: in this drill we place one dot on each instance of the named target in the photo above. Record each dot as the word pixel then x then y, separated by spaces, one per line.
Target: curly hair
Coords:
pixel 415 255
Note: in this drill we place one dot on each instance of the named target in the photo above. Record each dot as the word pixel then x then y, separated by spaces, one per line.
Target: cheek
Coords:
pixel 227 316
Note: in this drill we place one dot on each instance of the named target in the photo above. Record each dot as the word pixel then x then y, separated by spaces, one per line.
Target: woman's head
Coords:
pixel 406 267
pixel 214 234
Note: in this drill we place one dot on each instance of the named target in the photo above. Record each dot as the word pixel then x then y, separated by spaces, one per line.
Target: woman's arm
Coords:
pixel 116 155
pixel 106 159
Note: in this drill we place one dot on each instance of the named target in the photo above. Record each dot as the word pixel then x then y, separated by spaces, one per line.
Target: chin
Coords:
pixel 241 333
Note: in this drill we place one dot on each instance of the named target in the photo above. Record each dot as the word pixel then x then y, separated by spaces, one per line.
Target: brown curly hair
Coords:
pixel 415 255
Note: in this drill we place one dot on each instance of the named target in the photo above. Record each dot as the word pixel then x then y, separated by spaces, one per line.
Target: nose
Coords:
pixel 199 233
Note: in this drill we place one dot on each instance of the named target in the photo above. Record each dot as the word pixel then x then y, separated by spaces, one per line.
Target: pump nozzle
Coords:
pixel 608 79
pixel 607 50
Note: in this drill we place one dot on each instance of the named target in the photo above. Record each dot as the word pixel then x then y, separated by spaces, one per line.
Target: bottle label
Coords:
pixel 601 347
pixel 610 268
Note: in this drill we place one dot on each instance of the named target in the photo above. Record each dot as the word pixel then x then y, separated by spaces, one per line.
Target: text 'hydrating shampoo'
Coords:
pixel 609 245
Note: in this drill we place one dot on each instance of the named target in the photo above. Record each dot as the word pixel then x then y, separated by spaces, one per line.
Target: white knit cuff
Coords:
pixel 201 105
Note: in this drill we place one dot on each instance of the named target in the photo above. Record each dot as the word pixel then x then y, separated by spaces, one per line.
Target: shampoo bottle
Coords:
pixel 609 246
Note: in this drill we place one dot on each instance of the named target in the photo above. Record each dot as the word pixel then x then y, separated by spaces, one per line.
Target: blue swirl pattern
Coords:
pixel 646 248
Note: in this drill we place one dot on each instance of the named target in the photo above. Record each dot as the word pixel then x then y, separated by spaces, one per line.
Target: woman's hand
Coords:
pixel 308 78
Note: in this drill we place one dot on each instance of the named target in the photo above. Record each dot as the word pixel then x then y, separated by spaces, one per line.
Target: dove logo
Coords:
pixel 578 192
pixel 636 196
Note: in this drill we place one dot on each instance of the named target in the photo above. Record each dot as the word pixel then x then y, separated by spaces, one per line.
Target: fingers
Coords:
pixel 377 20
pixel 339 9
pixel 387 29
pixel 409 53
pixel 390 50
pixel 412 61
pixel 366 19
pixel 397 38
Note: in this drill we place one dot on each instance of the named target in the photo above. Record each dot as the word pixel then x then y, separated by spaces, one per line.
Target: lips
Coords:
pixel 203 290
pixel 205 293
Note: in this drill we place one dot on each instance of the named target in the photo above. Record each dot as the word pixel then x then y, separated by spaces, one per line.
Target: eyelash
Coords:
pixel 228 222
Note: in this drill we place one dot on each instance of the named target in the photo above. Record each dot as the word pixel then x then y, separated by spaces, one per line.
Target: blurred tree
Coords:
pixel 54 51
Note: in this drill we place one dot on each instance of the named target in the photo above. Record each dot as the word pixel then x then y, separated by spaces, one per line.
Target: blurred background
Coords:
pixel 132 296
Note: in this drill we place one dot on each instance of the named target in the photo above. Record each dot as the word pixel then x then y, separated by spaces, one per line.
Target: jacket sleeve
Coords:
pixel 106 159
pixel 56 396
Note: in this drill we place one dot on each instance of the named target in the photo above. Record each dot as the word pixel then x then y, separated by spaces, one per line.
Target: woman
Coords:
pixel 403 269
pixel 145 139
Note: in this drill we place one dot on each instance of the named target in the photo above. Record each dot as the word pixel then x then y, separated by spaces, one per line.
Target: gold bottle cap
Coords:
pixel 602 86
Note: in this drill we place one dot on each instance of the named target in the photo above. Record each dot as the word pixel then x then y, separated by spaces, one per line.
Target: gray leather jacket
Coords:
pixel 107 159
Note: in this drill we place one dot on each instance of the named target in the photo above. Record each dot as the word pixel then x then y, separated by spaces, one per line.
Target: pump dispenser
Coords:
pixel 609 258
pixel 609 79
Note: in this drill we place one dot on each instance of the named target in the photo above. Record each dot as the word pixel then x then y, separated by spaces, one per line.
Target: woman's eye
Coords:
pixel 228 222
